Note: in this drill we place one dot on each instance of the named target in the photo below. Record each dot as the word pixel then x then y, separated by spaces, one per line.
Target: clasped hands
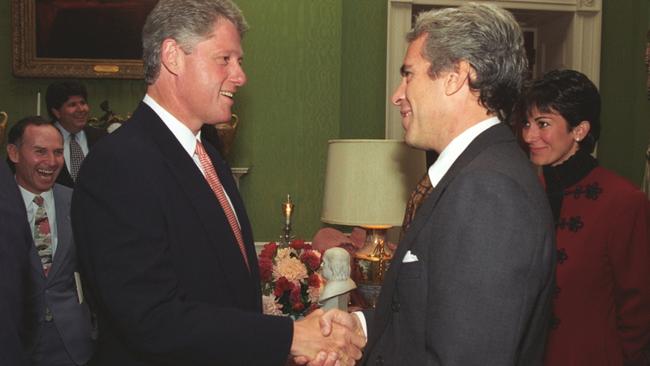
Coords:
pixel 333 338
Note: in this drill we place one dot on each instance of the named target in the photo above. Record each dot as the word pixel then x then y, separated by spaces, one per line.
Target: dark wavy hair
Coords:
pixel 489 39
pixel 570 94
pixel 59 92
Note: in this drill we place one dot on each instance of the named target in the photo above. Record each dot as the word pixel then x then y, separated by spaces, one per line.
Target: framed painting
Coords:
pixel 78 38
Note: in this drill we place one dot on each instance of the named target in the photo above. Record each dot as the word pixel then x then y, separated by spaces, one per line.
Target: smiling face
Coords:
pixel 38 157
pixel 549 138
pixel 209 76
pixel 421 100
pixel 73 113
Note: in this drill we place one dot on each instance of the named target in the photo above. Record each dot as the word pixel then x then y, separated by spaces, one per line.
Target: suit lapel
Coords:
pixel 63 233
pixel 199 194
pixel 493 135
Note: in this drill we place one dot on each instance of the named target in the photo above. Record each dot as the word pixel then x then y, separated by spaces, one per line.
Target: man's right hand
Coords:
pixel 328 339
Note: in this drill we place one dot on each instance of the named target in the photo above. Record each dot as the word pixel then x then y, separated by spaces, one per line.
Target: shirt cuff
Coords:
pixel 362 320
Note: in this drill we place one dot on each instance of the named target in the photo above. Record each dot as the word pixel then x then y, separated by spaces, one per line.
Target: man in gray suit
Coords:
pixel 60 324
pixel 471 281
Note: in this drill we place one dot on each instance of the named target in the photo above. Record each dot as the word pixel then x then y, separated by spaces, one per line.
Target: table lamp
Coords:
pixel 367 184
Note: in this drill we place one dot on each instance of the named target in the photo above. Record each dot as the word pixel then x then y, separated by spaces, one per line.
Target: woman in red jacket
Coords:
pixel 602 301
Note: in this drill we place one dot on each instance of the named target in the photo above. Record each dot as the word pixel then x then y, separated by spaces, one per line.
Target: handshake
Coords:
pixel 333 338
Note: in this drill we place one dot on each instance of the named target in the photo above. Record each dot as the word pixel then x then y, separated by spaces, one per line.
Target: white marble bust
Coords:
pixel 336 270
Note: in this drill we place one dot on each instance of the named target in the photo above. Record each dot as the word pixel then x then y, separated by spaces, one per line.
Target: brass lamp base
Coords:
pixel 372 263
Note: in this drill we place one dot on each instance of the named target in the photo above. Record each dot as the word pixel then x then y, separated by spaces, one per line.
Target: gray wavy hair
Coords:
pixel 488 38
pixel 186 21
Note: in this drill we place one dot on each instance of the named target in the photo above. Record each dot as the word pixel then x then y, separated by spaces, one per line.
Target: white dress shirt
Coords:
pixel 184 135
pixel 81 140
pixel 48 202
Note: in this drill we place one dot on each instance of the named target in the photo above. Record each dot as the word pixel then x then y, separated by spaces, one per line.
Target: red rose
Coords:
pixel 281 286
pixel 313 280
pixel 296 296
pixel 298 306
pixel 268 251
pixel 266 268
pixel 297 244
pixel 311 259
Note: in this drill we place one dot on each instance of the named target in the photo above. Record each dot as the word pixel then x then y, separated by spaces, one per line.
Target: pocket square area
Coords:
pixel 409 257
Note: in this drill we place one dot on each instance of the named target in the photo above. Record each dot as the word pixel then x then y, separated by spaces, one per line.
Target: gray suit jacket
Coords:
pixel 480 291
pixel 57 292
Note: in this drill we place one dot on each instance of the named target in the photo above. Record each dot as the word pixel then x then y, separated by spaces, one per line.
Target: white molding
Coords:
pixel 581 50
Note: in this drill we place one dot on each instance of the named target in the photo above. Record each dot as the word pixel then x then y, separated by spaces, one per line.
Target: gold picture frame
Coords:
pixel 37 22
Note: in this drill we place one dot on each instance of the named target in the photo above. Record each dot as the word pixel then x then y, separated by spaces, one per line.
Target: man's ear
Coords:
pixel 12 153
pixel 171 55
pixel 456 78
pixel 581 130
pixel 56 113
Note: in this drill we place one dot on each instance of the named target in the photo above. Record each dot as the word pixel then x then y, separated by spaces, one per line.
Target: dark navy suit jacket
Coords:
pixel 168 281
pixel 15 243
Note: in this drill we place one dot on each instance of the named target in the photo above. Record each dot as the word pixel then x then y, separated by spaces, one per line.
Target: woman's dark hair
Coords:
pixel 570 94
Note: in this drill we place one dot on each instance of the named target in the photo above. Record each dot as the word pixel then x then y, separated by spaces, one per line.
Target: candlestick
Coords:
pixel 38 103
pixel 287 211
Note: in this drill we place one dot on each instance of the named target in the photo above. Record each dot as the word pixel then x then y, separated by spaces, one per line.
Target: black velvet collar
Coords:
pixel 559 178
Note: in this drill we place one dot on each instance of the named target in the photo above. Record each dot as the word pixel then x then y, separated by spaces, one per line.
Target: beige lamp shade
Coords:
pixel 368 182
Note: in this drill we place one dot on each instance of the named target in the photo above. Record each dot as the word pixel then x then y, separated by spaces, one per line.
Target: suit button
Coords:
pixel 395 306
pixel 379 361
pixel 48 315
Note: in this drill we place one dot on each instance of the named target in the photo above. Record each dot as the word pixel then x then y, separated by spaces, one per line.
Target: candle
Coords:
pixel 38 103
pixel 287 208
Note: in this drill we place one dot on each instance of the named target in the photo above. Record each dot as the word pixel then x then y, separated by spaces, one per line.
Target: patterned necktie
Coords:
pixel 421 192
pixel 214 182
pixel 42 235
pixel 76 156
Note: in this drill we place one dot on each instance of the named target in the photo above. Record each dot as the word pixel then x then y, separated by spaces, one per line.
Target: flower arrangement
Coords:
pixel 291 282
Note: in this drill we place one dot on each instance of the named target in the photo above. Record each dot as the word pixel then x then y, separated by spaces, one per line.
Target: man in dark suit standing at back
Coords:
pixel 471 281
pixel 162 233
pixel 60 327
pixel 15 243
pixel 67 106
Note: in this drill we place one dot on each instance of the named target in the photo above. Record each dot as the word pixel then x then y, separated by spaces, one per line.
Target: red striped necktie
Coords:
pixel 214 182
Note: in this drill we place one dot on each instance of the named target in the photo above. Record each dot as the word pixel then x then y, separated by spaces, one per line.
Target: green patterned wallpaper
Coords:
pixel 626 109
pixel 316 71
pixel 301 92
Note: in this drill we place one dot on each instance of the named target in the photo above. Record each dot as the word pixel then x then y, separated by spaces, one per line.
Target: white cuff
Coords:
pixel 362 320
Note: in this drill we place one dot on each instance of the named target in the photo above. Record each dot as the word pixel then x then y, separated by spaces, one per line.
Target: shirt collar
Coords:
pixel 456 147
pixel 28 197
pixel 183 134
pixel 66 133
